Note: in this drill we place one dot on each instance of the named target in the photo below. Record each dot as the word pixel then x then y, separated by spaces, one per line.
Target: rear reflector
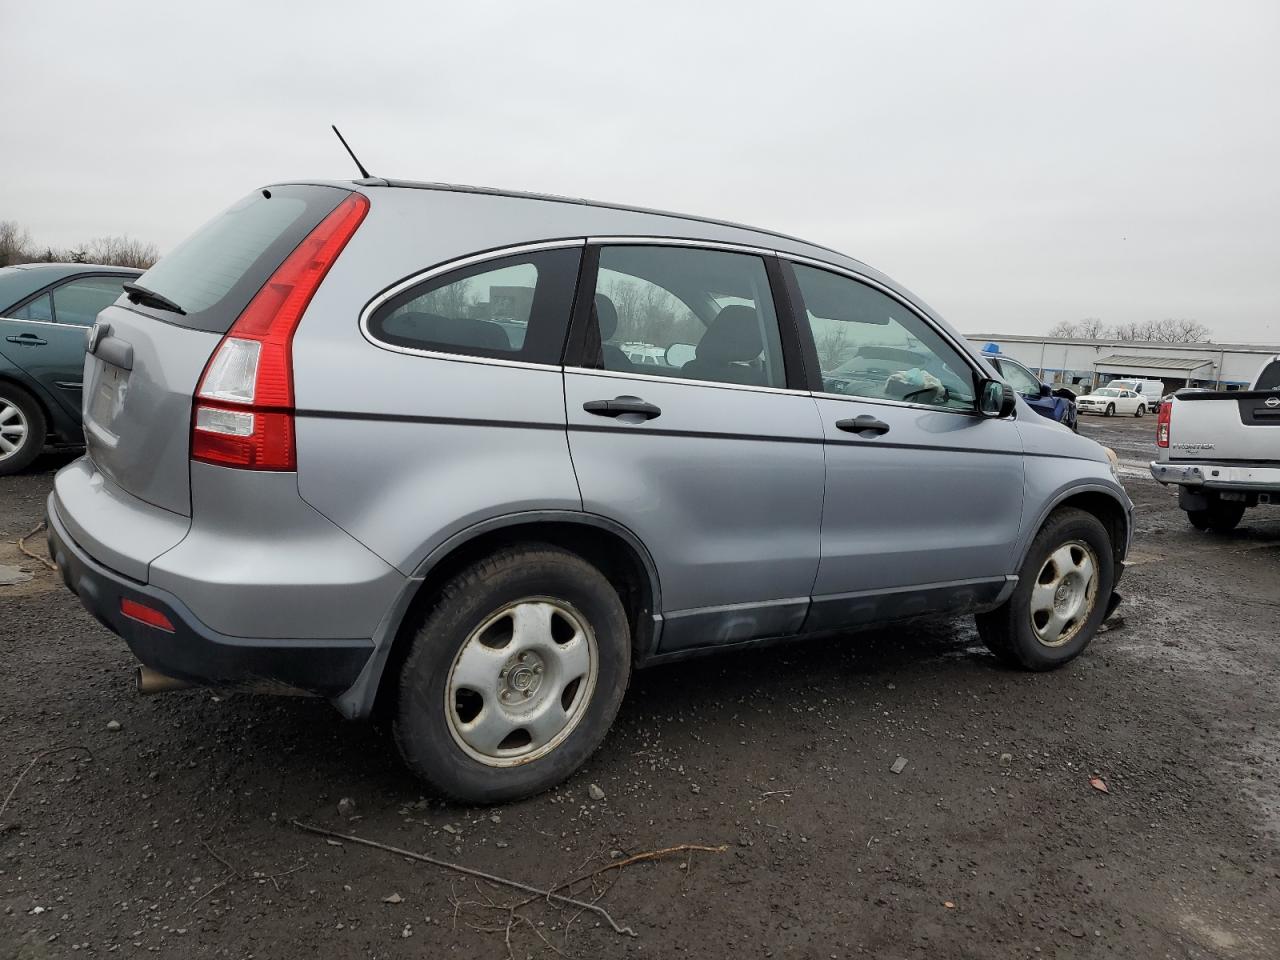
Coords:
pixel 243 414
pixel 144 614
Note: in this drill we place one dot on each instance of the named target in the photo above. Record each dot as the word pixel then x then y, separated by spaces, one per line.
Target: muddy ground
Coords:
pixel 172 834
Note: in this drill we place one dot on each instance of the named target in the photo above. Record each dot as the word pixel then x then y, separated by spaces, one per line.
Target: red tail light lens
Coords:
pixel 243 415
pixel 1163 423
pixel 144 614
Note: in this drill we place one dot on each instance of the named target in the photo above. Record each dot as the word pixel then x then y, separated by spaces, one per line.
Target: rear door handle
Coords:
pixel 27 340
pixel 619 406
pixel 865 425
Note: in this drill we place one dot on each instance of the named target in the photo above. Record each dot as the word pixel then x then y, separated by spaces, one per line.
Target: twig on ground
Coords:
pixel 35 556
pixel 214 853
pixel 34 760
pixel 471 872
pixel 774 793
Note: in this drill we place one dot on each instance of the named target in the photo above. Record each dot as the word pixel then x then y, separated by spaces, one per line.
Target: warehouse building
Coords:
pixel 1083 364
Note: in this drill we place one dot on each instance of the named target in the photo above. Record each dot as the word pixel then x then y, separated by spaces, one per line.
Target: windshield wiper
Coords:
pixel 139 294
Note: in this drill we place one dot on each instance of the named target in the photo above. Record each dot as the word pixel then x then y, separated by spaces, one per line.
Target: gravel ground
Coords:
pixel 172 833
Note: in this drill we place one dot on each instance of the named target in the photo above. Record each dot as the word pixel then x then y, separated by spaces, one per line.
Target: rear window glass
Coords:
pixel 514 308
pixel 1269 379
pixel 215 272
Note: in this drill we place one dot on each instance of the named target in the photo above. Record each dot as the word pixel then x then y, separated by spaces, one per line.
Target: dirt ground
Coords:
pixel 172 835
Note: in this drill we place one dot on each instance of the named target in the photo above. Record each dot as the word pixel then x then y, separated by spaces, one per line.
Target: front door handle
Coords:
pixel 619 406
pixel 27 340
pixel 865 425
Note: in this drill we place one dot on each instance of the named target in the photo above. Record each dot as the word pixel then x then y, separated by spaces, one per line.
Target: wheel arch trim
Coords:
pixel 358 700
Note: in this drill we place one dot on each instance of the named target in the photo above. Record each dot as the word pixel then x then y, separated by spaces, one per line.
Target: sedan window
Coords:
pixel 80 301
pixel 41 308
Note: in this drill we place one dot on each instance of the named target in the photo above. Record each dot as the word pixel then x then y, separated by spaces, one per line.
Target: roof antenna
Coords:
pixel 359 166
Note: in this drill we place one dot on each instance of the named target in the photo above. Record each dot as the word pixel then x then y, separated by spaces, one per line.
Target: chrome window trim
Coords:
pixel 448 267
pixel 886 402
pixel 42 323
pixel 628 241
pixel 683 381
pixel 890 292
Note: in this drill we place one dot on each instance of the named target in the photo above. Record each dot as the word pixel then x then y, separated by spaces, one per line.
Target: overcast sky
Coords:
pixel 1013 165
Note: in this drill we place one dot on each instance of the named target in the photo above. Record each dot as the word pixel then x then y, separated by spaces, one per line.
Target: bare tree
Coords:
pixel 1093 328
pixel 121 252
pixel 833 347
pixel 15 243
pixel 1064 328
pixel 1163 331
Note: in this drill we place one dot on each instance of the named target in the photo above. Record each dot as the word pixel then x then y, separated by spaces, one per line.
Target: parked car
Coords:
pixel 1110 400
pixel 45 309
pixel 1222 449
pixel 1150 390
pixel 313 465
pixel 1056 404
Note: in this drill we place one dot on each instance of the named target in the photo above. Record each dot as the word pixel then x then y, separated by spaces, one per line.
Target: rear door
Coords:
pixel 923 495
pixel 685 428
pixel 47 338
pixel 147 360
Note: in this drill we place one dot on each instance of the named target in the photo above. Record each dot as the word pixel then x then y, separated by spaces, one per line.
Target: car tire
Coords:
pixel 499 650
pixel 1111 410
pixel 22 427
pixel 1221 516
pixel 1141 412
pixel 1054 591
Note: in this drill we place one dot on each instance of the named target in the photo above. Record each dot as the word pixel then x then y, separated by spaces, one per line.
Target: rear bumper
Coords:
pixel 1214 476
pixel 192 651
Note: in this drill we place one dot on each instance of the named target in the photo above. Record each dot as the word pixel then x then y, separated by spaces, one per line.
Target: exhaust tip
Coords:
pixel 148 681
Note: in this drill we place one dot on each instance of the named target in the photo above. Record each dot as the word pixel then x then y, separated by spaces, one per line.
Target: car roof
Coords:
pixel 55 271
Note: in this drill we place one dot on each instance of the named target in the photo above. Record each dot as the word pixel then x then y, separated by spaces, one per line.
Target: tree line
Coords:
pixel 16 246
pixel 1149 331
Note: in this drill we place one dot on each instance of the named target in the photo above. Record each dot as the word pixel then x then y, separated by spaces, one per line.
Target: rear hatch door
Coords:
pixel 146 358
pixel 1240 426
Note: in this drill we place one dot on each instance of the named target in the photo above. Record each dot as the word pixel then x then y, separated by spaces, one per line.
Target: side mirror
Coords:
pixel 1046 390
pixel 995 399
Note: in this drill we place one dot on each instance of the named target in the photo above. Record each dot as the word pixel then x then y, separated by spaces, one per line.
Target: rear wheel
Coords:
pixel 514 676
pixel 1221 516
pixel 1111 410
pixel 22 429
pixel 1061 597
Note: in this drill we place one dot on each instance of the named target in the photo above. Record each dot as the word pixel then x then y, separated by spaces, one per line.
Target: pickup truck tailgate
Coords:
pixel 1242 426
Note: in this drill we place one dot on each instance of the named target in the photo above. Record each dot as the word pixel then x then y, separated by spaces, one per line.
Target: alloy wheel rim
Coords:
pixel 1064 594
pixel 13 429
pixel 521 682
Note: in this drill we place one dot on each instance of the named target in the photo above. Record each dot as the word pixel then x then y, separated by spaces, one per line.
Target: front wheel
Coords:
pixel 1111 410
pixel 1141 412
pixel 1061 597
pixel 22 429
pixel 514 676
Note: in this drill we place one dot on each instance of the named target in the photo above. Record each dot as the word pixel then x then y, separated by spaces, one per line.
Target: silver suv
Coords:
pixel 472 456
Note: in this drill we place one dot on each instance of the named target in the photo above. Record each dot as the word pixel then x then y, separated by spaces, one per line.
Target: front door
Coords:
pixel 923 495
pixel 683 429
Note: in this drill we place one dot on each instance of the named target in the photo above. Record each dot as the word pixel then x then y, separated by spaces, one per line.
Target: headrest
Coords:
pixel 606 317
pixel 733 337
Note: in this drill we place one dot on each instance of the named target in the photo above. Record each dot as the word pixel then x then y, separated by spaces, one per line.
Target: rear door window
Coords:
pixel 215 272
pixel 685 312
pixel 41 308
pixel 79 301
pixel 513 308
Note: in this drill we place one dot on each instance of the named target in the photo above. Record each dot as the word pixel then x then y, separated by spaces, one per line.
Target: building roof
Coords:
pixel 1147 347
pixel 1168 363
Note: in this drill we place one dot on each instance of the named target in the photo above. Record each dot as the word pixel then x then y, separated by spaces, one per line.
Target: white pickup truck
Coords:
pixel 1222 449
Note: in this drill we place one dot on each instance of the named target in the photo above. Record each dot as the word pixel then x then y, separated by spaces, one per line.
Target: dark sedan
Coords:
pixel 45 309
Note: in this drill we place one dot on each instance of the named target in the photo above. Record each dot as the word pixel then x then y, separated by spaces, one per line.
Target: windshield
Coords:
pixel 1107 392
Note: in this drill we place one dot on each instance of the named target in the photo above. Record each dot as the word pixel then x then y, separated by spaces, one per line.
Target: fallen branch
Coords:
pixel 472 872
pixel 34 760
pixel 35 556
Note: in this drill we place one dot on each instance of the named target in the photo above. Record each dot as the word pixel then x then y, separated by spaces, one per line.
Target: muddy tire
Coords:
pixel 1111 410
pixel 1063 589
pixel 1222 516
pixel 1141 412
pixel 23 429
pixel 514 676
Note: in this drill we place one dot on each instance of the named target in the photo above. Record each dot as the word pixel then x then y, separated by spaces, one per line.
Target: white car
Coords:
pixel 1109 401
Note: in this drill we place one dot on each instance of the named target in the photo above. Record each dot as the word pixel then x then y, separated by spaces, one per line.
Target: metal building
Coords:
pixel 1082 363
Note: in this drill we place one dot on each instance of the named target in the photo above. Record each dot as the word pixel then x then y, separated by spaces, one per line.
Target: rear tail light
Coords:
pixel 144 614
pixel 243 414
pixel 1163 422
